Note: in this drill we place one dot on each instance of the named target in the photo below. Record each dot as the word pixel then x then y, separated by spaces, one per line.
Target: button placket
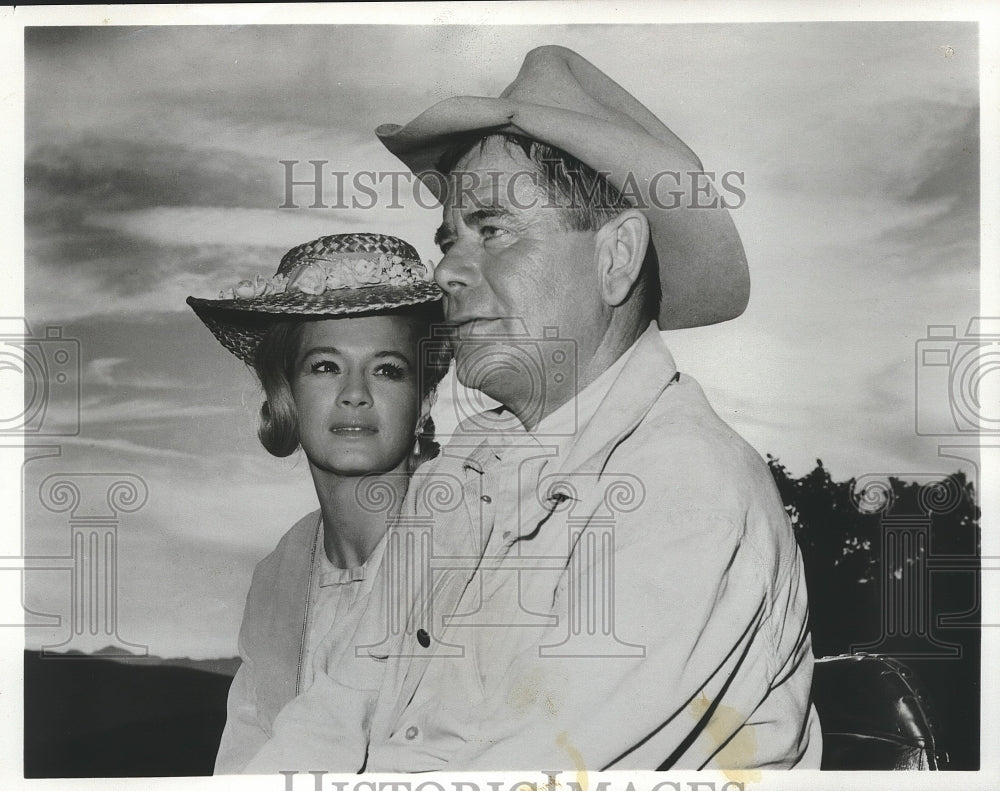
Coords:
pixel 482 510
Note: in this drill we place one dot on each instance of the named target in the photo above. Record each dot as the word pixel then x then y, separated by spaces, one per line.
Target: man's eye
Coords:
pixel 390 371
pixel 492 231
pixel 446 245
pixel 324 367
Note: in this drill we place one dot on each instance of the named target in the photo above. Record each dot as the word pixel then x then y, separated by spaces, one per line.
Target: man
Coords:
pixel 613 581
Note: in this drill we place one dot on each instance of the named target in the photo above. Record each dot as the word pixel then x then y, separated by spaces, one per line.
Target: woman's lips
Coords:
pixel 353 431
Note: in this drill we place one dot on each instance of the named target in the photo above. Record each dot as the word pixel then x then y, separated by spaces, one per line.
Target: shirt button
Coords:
pixel 486 499
pixel 506 534
pixel 411 732
pixel 423 638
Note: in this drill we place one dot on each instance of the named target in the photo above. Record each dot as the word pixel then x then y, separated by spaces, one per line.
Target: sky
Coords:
pixel 153 172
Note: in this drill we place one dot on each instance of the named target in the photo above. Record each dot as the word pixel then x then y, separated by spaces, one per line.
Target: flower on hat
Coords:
pixel 369 271
pixel 341 277
pixel 244 289
pixel 318 275
pixel 309 279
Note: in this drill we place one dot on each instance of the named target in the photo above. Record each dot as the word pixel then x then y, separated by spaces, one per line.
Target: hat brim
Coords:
pixel 703 269
pixel 240 324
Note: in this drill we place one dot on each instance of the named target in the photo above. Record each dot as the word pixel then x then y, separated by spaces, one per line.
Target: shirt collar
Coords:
pixel 330 574
pixel 557 431
pixel 566 422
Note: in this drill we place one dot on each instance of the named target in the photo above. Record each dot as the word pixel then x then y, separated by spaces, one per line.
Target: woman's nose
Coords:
pixel 355 392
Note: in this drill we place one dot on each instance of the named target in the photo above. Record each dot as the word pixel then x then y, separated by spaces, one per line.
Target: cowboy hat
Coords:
pixel 334 276
pixel 561 99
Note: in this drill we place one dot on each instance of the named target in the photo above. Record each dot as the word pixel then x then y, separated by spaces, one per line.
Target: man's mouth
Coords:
pixel 475 326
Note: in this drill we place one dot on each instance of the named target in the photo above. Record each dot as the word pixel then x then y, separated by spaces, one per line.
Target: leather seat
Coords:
pixel 873 715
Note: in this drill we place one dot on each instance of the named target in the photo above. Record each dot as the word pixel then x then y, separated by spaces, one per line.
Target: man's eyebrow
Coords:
pixel 445 232
pixel 486 213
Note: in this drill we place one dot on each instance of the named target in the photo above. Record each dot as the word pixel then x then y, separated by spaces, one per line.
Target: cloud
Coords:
pixel 121 372
pixel 951 167
pixel 149 282
pixel 205 226
pixel 101 370
pixel 91 173
pixel 75 268
pixel 171 82
pixel 132 227
pixel 948 241
pixel 126 448
pixel 143 410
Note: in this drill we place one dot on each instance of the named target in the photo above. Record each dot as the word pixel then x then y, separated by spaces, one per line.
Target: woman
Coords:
pixel 338 339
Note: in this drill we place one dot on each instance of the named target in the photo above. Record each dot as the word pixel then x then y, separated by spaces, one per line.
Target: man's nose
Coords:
pixel 458 270
pixel 355 392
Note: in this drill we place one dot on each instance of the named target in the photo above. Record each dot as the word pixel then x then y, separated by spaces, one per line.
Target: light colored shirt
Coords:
pixel 341 671
pixel 339 602
pixel 624 595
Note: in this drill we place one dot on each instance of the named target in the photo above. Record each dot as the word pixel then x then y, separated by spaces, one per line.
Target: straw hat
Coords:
pixel 340 275
pixel 561 99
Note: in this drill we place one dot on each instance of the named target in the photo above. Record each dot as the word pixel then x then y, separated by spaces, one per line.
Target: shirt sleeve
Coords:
pixel 712 685
pixel 325 727
pixel 243 736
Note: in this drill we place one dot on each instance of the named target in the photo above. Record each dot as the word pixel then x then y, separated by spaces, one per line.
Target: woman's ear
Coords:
pixel 621 248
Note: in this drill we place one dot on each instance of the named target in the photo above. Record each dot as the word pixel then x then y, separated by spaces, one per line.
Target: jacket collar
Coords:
pixel 648 371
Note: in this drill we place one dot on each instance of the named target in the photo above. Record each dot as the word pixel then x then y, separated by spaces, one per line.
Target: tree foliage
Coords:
pixel 869 545
pixel 842 537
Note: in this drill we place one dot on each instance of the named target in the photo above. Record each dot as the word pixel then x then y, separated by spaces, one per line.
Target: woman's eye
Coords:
pixel 324 367
pixel 390 371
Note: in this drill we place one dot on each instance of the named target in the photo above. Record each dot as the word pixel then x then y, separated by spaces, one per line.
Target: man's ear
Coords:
pixel 621 249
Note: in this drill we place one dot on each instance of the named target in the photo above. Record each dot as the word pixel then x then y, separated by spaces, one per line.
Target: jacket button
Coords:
pixel 411 732
pixel 423 638
pixel 486 499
